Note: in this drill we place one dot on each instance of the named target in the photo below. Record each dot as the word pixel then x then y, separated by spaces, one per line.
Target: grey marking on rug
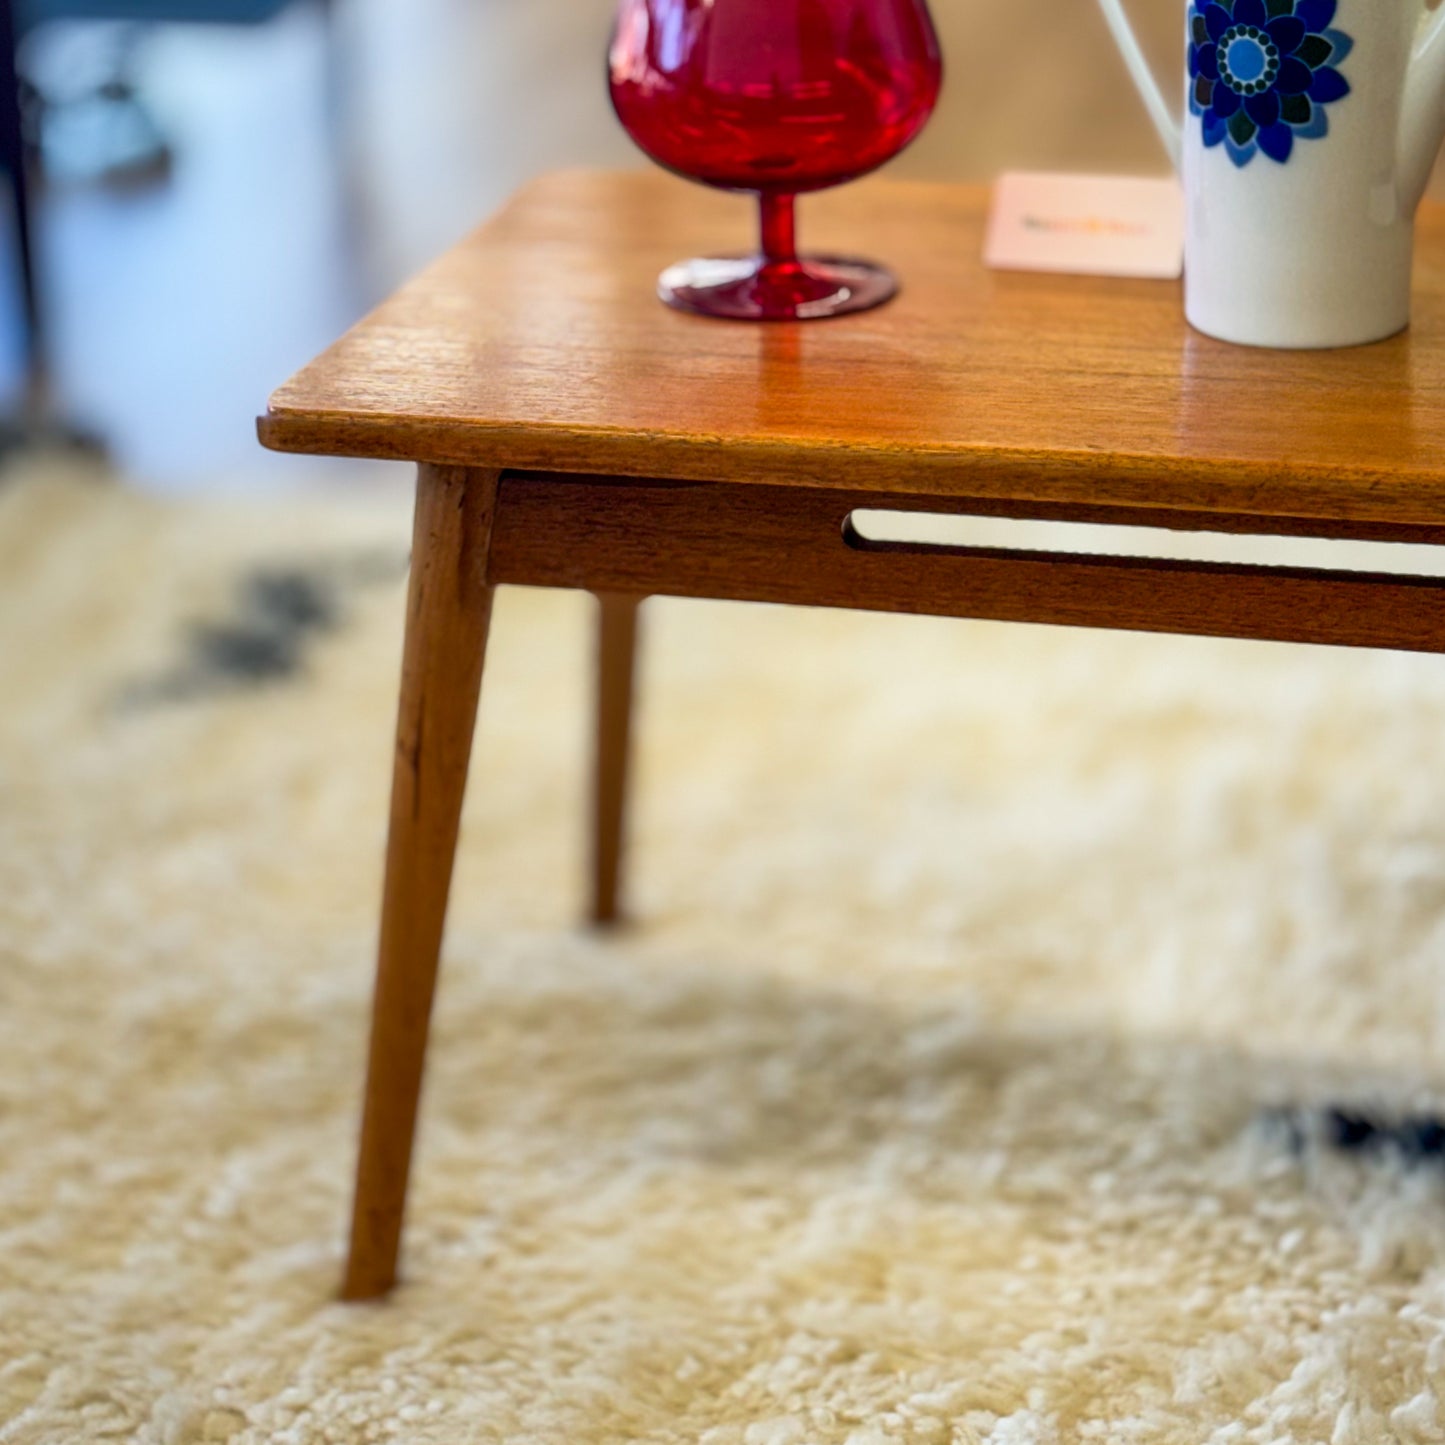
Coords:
pixel 1411 1139
pixel 277 615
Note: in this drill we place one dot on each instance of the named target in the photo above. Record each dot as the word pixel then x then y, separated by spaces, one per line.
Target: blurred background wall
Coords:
pixel 316 159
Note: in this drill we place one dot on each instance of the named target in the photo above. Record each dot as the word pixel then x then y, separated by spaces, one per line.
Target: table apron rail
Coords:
pixel 793 545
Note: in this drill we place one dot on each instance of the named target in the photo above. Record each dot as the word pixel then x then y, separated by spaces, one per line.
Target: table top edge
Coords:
pixel 1242 487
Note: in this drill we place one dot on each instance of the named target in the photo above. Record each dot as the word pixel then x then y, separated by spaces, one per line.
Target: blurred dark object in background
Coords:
pixel 84 113
pixel 99 128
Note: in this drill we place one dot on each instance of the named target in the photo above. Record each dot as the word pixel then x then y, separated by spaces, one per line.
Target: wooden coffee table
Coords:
pixel 572 432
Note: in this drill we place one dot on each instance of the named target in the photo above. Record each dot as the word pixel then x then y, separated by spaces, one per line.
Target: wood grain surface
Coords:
pixel 538 343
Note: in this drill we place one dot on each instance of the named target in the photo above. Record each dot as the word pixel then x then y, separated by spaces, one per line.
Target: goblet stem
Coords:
pixel 779 243
pixel 775 285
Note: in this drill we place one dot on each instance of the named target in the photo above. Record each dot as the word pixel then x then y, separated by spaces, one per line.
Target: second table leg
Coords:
pixel 616 669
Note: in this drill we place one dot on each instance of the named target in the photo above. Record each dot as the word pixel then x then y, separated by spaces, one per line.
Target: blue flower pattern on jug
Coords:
pixel 1261 73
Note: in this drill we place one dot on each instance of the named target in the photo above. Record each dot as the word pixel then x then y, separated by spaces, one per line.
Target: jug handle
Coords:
pixel 1432 27
pixel 1421 121
pixel 1170 130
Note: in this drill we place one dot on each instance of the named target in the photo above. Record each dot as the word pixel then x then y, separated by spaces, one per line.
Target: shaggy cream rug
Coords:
pixel 935 1097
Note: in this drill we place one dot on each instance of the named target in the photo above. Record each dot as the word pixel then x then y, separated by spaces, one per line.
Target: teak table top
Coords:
pixel 538 343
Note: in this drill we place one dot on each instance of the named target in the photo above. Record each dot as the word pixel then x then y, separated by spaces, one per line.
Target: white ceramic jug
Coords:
pixel 1309 131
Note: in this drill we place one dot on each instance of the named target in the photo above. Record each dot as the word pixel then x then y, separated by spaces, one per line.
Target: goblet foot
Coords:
pixel 750 288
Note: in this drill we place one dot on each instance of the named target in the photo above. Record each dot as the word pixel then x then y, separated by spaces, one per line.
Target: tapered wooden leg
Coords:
pixel 448 610
pixel 616 662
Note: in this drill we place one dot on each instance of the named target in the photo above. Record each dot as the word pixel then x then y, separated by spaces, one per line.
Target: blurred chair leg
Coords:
pixel 12 158
pixel 616 665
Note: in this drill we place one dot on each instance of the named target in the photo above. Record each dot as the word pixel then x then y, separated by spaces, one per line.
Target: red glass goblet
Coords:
pixel 774 97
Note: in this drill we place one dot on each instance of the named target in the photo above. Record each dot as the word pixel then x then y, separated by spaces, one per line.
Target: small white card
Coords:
pixel 1088 225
